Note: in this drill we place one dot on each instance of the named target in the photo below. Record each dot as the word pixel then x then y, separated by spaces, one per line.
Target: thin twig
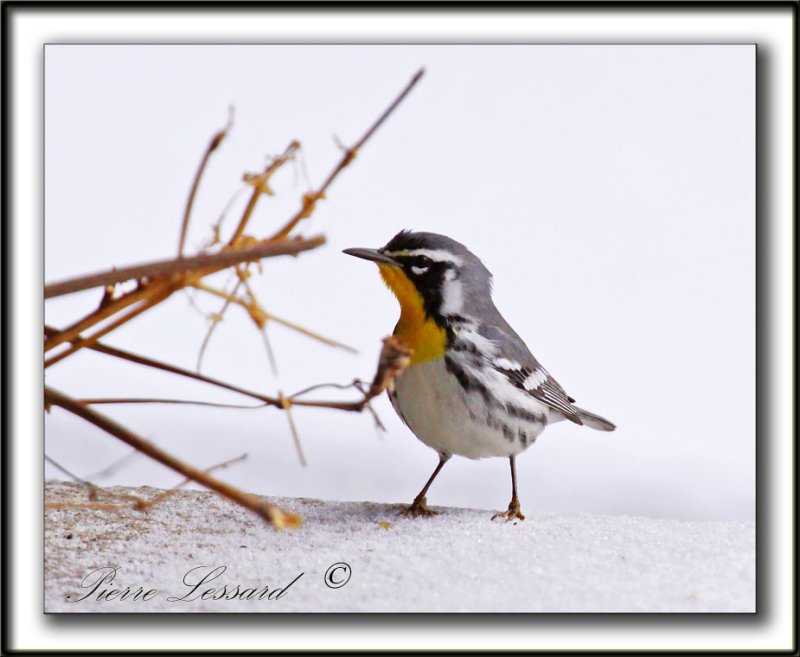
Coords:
pixel 92 490
pixel 190 298
pixel 376 418
pixel 260 319
pixel 287 406
pixel 261 186
pixel 216 228
pixel 216 140
pixel 94 506
pixel 310 199
pixel 95 401
pixel 114 466
pixel 215 321
pixel 311 334
pixel 273 363
pixel 358 385
pixel 320 386
pixel 253 308
pixel 72 476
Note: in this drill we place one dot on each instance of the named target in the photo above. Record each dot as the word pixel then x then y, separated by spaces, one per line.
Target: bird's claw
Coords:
pixel 513 513
pixel 418 508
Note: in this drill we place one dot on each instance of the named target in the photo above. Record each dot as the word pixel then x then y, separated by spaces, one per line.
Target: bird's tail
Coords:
pixel 595 421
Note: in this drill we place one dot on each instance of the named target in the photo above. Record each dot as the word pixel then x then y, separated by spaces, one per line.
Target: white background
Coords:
pixel 610 190
pixel 772 29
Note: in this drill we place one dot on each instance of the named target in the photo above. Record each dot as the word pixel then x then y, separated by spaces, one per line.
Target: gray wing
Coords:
pixel 519 365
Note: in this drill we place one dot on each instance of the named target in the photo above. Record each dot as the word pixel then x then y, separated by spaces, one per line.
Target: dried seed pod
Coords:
pixel 395 357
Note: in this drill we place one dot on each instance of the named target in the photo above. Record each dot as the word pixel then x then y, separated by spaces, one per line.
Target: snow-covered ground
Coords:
pixel 361 556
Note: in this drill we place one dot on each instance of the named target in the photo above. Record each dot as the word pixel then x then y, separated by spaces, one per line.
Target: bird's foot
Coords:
pixel 513 512
pixel 418 508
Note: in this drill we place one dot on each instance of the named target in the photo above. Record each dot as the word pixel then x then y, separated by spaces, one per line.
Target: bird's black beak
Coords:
pixel 372 254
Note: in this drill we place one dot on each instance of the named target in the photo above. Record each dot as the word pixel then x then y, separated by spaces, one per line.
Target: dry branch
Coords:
pixel 207 261
pixel 139 503
pixel 266 510
pixel 157 281
pixel 398 353
pixel 144 306
pixel 98 401
pixel 310 199
pixel 148 504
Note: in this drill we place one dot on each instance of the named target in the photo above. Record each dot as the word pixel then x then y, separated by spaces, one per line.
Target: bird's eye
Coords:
pixel 420 264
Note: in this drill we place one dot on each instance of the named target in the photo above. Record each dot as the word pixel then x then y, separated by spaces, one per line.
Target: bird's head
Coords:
pixel 431 275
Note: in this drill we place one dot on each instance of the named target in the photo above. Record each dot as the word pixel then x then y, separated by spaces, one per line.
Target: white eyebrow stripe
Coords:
pixel 437 255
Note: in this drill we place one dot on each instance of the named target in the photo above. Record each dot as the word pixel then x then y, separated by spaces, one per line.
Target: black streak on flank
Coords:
pixel 467 382
pixel 461 376
pixel 508 434
pixel 521 413
pixel 461 345
pixel 452 324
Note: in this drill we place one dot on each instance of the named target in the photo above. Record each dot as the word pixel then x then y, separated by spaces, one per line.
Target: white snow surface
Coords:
pixel 457 561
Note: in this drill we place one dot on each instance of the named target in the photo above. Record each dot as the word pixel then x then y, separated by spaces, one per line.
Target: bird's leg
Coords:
pixel 513 512
pixel 419 506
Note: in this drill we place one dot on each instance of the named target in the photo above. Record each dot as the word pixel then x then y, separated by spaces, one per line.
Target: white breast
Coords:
pixel 447 418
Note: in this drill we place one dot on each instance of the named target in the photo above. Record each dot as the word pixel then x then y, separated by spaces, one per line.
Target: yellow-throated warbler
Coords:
pixel 473 388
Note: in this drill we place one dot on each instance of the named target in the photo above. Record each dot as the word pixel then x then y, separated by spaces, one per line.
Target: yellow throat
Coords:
pixel 419 332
